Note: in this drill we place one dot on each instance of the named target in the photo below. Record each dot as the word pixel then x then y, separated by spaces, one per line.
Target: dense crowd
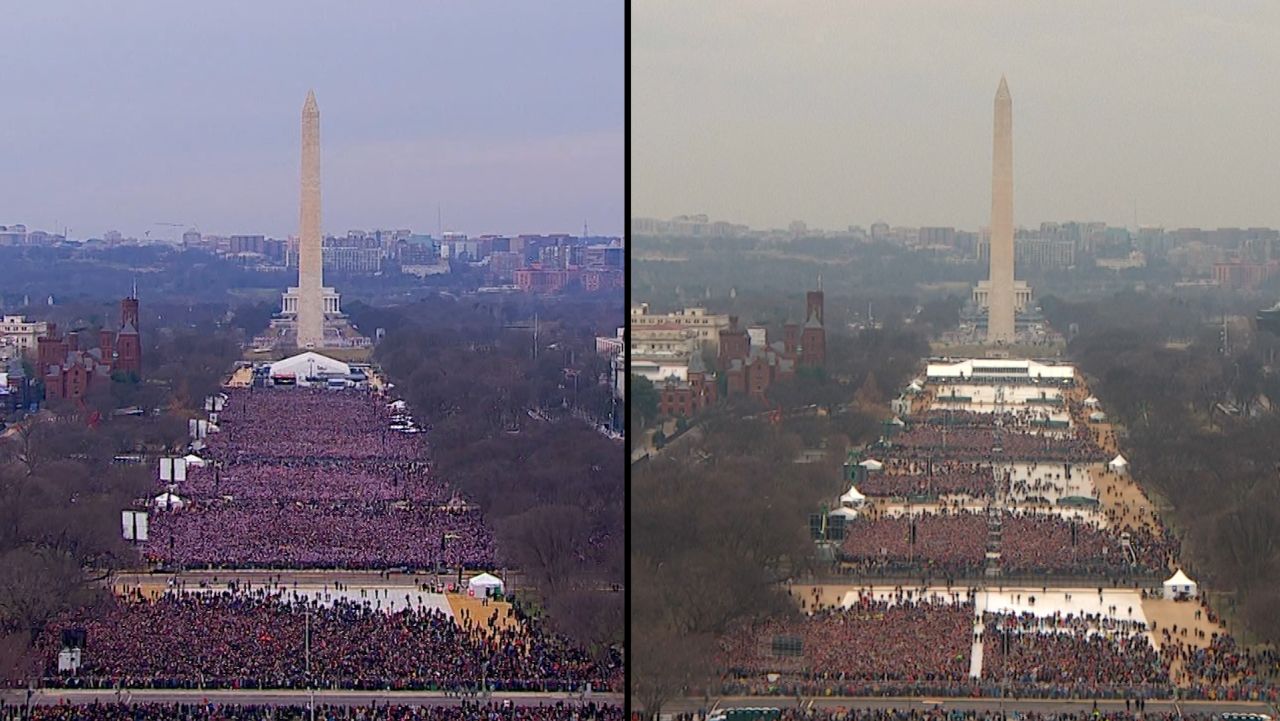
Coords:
pixel 1026 419
pixel 226 640
pixel 293 535
pixel 979 444
pixel 318 480
pixel 250 712
pixel 917 641
pixel 1072 652
pixel 308 478
pixel 937 713
pixel 943 543
pixel 1049 543
pixel 295 422
pixel 911 477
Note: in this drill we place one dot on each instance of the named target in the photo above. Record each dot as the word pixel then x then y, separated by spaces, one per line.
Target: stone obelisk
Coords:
pixel 310 313
pixel 1000 298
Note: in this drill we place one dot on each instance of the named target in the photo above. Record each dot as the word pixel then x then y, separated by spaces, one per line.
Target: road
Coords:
pixel 968 704
pixel 287 697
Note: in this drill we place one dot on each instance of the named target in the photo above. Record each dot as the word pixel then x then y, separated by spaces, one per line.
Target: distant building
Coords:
pixel 705 326
pixel 685 398
pixel 750 368
pixel 22 334
pixel 71 365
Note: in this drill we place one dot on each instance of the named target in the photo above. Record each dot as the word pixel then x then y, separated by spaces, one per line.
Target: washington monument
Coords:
pixel 1000 301
pixel 310 311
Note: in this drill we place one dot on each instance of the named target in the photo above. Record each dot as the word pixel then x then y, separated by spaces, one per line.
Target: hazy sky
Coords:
pixel 123 114
pixel 842 113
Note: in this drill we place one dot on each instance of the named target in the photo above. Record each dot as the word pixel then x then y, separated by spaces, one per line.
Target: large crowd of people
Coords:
pixel 295 422
pixel 296 535
pixel 315 478
pixel 231 640
pixel 464 711
pixel 912 477
pixel 939 543
pixel 981 444
pixel 912 641
pixel 1050 543
pixel 1071 651
pixel 319 480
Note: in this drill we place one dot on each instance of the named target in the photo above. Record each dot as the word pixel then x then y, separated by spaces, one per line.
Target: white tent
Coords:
pixel 1179 585
pixel 853 497
pixel 1097 416
pixel 168 500
pixel 484 584
pixel 1091 402
pixel 397 405
pixel 194 460
pixel 1118 465
pixel 872 464
pixel 846 513
pixel 309 364
pixel 915 387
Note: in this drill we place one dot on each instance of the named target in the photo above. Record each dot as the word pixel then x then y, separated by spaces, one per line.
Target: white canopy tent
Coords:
pixel 1097 416
pixel 1179 585
pixel 847 514
pixel 485 584
pixel 309 364
pixel 168 501
pixel 853 498
pixel 872 464
pixel 194 460
pixel 1118 465
pixel 1091 402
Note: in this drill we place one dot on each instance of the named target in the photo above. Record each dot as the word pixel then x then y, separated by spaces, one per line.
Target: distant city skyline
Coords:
pixel 843 113
pixel 509 119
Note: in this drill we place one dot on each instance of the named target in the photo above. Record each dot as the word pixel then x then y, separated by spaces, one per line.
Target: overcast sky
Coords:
pixel 841 113
pixel 124 114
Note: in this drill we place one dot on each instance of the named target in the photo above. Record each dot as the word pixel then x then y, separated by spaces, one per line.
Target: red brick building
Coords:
pixel 70 366
pixel 684 399
pixel 750 370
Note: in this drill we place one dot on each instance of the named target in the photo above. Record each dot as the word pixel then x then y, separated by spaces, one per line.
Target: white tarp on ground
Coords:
pixel 1118 464
pixel 1179 584
pixel 309 364
pixel 484 584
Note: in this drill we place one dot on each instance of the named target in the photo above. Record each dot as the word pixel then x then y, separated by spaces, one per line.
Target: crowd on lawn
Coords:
pixel 913 641
pixel 980 444
pixel 229 640
pixel 317 480
pixel 945 543
pixel 294 535
pixel 294 422
pixel 912 477
pixel 314 478
pixel 1050 543
pixel 1027 653
pixel 466 711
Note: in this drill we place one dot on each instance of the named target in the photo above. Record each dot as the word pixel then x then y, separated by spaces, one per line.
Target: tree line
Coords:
pixel 500 407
